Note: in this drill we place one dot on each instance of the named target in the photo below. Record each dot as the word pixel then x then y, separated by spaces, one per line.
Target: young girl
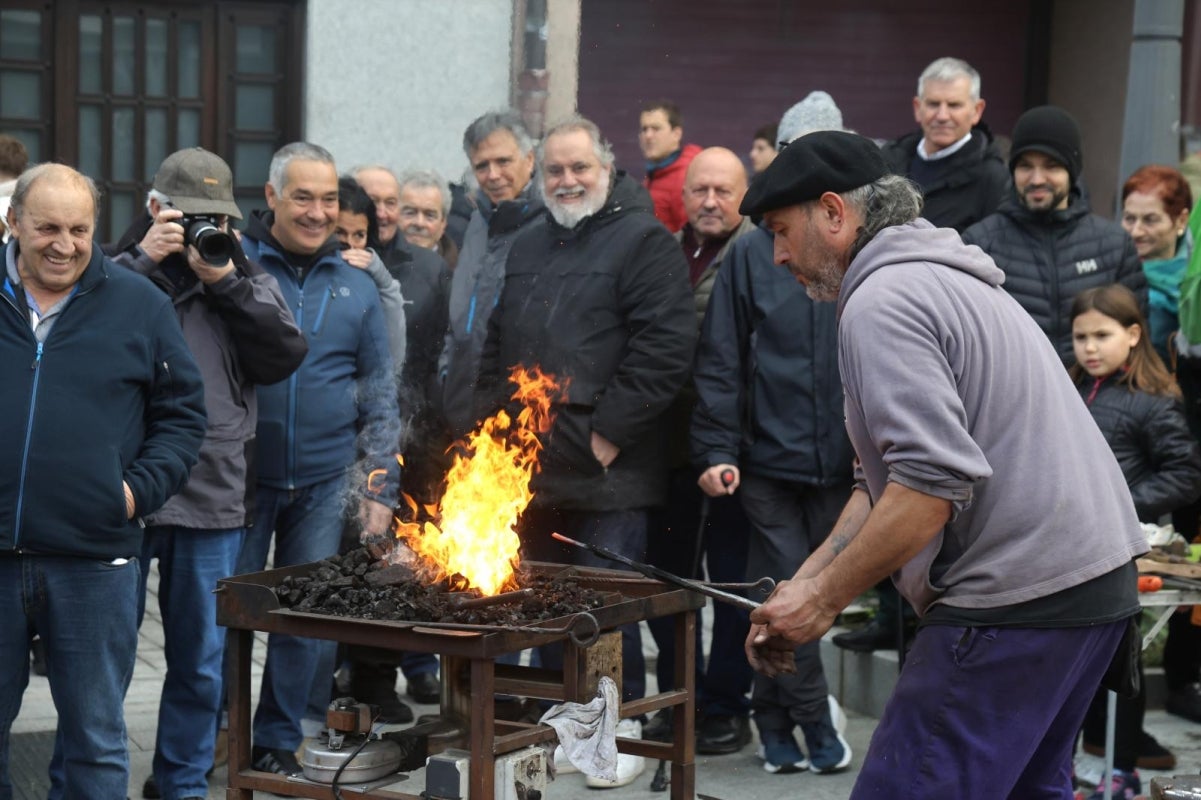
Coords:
pixel 1136 404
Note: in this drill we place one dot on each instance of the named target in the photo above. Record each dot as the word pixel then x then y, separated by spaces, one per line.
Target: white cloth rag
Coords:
pixel 588 731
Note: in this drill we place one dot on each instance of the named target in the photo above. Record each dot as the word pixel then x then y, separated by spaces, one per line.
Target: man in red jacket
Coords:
pixel 659 136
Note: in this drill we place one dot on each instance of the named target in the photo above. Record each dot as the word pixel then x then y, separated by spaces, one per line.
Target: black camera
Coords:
pixel 215 246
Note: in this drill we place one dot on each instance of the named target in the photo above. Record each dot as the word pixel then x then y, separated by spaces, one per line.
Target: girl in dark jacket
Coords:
pixel 1136 403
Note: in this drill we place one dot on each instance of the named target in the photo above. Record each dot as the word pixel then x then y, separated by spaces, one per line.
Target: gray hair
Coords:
pixel 949 69
pixel 296 151
pixel 157 196
pixel 358 169
pixel 887 201
pixel 427 179
pixel 35 173
pixel 600 148
pixel 488 124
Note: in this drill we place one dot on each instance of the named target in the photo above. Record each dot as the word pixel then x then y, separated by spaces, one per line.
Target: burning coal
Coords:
pixel 471 531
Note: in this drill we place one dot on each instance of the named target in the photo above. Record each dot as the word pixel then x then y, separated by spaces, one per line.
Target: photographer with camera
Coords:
pixel 241 333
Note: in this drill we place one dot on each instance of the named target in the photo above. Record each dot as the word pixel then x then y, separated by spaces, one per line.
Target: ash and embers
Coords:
pixel 359 586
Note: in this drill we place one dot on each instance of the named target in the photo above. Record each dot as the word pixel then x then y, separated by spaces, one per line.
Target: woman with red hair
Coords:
pixel 1156 202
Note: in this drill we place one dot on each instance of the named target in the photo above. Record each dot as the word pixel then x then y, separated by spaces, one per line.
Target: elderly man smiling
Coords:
pixel 597 294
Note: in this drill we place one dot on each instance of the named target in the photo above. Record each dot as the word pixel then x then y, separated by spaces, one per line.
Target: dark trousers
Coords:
pixel 1181 651
pixel 724 681
pixel 623 532
pixel 987 713
pixel 789 520
pixel 1128 723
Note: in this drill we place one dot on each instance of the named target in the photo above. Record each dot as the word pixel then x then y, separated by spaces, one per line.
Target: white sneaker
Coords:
pixel 563 764
pixel 628 767
pixel 837 716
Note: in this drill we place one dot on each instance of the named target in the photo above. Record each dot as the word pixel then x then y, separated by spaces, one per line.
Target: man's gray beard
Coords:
pixel 592 202
pixel 828 283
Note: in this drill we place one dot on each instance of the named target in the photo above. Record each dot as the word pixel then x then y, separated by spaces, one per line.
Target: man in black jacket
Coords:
pixel 770 411
pixel 241 333
pixel 597 295
pixel 714 185
pixel 1044 236
pixel 953 157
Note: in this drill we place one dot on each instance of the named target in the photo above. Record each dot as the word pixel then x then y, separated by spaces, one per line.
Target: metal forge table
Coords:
pixel 470 675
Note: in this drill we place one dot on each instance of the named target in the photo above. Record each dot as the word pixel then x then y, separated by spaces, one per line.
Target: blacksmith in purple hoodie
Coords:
pixel 984 489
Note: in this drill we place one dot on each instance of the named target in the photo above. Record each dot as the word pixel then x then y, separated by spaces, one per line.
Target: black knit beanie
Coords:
pixel 1052 131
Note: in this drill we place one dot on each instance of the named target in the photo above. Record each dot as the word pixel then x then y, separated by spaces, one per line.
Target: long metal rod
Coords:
pixel 764 585
pixel 663 575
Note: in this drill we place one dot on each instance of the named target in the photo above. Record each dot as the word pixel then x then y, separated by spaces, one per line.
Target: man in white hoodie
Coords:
pixel 983 487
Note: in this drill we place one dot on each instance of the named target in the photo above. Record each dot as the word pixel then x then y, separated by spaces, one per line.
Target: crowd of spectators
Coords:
pixel 365 313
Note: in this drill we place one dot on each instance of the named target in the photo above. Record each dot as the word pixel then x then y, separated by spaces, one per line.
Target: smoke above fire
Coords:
pixel 470 535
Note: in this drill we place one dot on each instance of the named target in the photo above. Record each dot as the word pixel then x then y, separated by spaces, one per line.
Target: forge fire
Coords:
pixel 469 536
pixel 452 556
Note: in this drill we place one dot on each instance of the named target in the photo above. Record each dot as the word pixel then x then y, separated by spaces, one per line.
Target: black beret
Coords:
pixel 818 162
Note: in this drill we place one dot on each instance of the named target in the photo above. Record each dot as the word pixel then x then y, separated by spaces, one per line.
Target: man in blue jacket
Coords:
pixel 328 434
pixel 102 415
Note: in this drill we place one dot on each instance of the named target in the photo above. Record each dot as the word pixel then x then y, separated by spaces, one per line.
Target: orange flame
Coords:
pixel 471 532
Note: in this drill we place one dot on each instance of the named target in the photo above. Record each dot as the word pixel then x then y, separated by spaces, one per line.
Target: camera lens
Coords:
pixel 214 245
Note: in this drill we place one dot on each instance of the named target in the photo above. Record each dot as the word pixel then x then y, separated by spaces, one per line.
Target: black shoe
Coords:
pixel 872 636
pixel 1151 754
pixel 279 761
pixel 150 789
pixel 721 734
pixel 425 688
pixel 392 710
pixel 660 727
pixel 1185 702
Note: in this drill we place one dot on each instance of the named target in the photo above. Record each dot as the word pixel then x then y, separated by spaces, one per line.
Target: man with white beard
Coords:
pixel 598 295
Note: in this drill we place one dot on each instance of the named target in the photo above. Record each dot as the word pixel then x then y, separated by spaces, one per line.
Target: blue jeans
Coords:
pixel 623 532
pixel 85 611
pixel 190 562
pixel 307 524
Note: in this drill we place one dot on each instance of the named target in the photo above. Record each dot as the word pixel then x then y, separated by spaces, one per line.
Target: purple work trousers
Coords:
pixel 987 713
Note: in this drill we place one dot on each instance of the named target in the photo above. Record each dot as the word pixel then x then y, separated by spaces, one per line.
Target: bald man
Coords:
pixel 713 187
pixel 103 416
